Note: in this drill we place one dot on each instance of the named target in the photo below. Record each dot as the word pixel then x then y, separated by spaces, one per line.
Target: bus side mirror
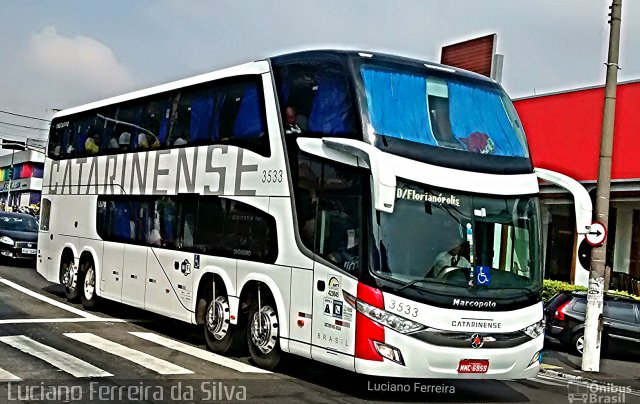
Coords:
pixel 359 154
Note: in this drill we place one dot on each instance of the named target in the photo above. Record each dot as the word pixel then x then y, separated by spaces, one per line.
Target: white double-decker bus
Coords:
pixel 376 213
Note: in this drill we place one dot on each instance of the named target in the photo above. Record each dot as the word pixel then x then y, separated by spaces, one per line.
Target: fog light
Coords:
pixel 537 357
pixel 6 253
pixel 389 352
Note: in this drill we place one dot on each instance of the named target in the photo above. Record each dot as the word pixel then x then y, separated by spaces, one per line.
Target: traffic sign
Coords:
pixel 597 234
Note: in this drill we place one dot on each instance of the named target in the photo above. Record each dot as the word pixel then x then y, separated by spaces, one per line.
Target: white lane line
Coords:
pixel 60 320
pixel 150 362
pixel 46 299
pixel 62 360
pixel 8 377
pixel 198 353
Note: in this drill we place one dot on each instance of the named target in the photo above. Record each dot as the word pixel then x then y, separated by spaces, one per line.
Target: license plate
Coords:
pixel 28 250
pixel 473 366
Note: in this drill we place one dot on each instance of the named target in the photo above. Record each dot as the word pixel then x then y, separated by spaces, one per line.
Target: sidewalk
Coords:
pixel 612 370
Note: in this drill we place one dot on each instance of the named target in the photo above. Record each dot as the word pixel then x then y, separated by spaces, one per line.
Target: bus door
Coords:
pixel 337 234
pixel 44 240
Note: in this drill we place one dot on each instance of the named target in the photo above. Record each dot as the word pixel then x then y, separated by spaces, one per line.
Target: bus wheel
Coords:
pixel 222 337
pixel 262 334
pixel 88 281
pixel 69 279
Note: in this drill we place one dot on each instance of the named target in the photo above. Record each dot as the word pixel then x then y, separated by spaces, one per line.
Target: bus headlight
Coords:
pixel 6 240
pixel 390 320
pixel 534 330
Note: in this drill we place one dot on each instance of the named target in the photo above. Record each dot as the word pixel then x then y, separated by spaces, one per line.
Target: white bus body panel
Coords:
pixel 169 281
pixel 111 271
pixel 134 274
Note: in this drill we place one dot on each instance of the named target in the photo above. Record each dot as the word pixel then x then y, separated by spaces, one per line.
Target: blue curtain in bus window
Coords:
pixel 398 105
pixel 474 109
pixel 248 122
pixel 201 110
pixel 121 218
pixel 81 138
pixel 164 126
pixel 331 110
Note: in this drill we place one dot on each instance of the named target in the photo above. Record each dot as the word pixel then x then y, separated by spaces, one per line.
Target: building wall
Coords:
pixel 564 131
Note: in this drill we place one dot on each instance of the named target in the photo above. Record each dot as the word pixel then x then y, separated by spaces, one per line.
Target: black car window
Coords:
pixel 580 306
pixel 17 223
pixel 619 310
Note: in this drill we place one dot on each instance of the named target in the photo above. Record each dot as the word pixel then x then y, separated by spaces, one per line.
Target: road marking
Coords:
pixel 62 360
pixel 150 362
pixel 8 377
pixel 46 299
pixel 60 320
pixel 198 353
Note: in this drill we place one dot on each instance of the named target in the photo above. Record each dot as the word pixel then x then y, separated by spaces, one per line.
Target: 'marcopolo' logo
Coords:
pixel 474 303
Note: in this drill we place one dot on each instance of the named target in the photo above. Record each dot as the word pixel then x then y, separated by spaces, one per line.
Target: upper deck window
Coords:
pixel 315 99
pixel 228 111
pixel 442 111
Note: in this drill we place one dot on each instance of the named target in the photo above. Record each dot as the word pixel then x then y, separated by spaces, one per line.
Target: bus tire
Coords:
pixel 263 331
pixel 69 278
pixel 222 337
pixel 87 282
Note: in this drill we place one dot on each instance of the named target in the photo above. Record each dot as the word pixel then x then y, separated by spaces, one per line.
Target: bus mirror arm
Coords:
pixel 359 154
pixel 582 200
pixel 384 177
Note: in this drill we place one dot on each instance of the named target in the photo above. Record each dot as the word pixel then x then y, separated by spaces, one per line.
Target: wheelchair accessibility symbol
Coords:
pixel 483 276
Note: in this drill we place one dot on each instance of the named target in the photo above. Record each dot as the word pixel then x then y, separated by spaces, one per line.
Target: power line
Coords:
pixel 24 116
pixel 21 126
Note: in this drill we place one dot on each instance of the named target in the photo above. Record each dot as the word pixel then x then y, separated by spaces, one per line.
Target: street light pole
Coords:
pixel 595 296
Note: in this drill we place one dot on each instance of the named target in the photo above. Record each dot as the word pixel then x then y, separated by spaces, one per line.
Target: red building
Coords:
pixel 563 130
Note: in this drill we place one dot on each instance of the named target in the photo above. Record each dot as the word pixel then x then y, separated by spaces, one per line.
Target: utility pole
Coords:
pixel 593 321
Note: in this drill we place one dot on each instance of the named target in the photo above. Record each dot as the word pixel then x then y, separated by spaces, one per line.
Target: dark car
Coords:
pixel 18 236
pixel 565 315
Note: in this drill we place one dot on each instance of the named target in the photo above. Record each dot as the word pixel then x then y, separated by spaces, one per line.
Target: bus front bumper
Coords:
pixel 422 360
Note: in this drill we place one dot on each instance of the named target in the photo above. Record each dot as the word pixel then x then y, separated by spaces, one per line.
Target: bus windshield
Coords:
pixel 443 111
pixel 436 239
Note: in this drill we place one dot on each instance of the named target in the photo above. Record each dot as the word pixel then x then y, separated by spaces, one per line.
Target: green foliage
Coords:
pixel 550 288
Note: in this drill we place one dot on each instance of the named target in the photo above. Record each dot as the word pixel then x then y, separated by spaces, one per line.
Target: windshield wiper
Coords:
pixel 411 283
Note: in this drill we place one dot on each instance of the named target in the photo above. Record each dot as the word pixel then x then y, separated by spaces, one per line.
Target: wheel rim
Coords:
pixel 89 283
pixel 70 275
pixel 218 318
pixel 264 329
pixel 580 344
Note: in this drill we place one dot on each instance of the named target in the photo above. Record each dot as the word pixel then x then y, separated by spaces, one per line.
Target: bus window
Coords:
pixel 241 116
pixel 315 98
pixel 328 204
pixel 209 225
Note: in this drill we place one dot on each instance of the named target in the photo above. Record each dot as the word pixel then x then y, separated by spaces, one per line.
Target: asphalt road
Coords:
pixel 50 349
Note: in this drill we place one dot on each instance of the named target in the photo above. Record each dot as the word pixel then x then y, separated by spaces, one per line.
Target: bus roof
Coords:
pixel 262 66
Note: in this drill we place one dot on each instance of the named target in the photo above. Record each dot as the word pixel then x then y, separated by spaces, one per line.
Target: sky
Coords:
pixel 56 54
